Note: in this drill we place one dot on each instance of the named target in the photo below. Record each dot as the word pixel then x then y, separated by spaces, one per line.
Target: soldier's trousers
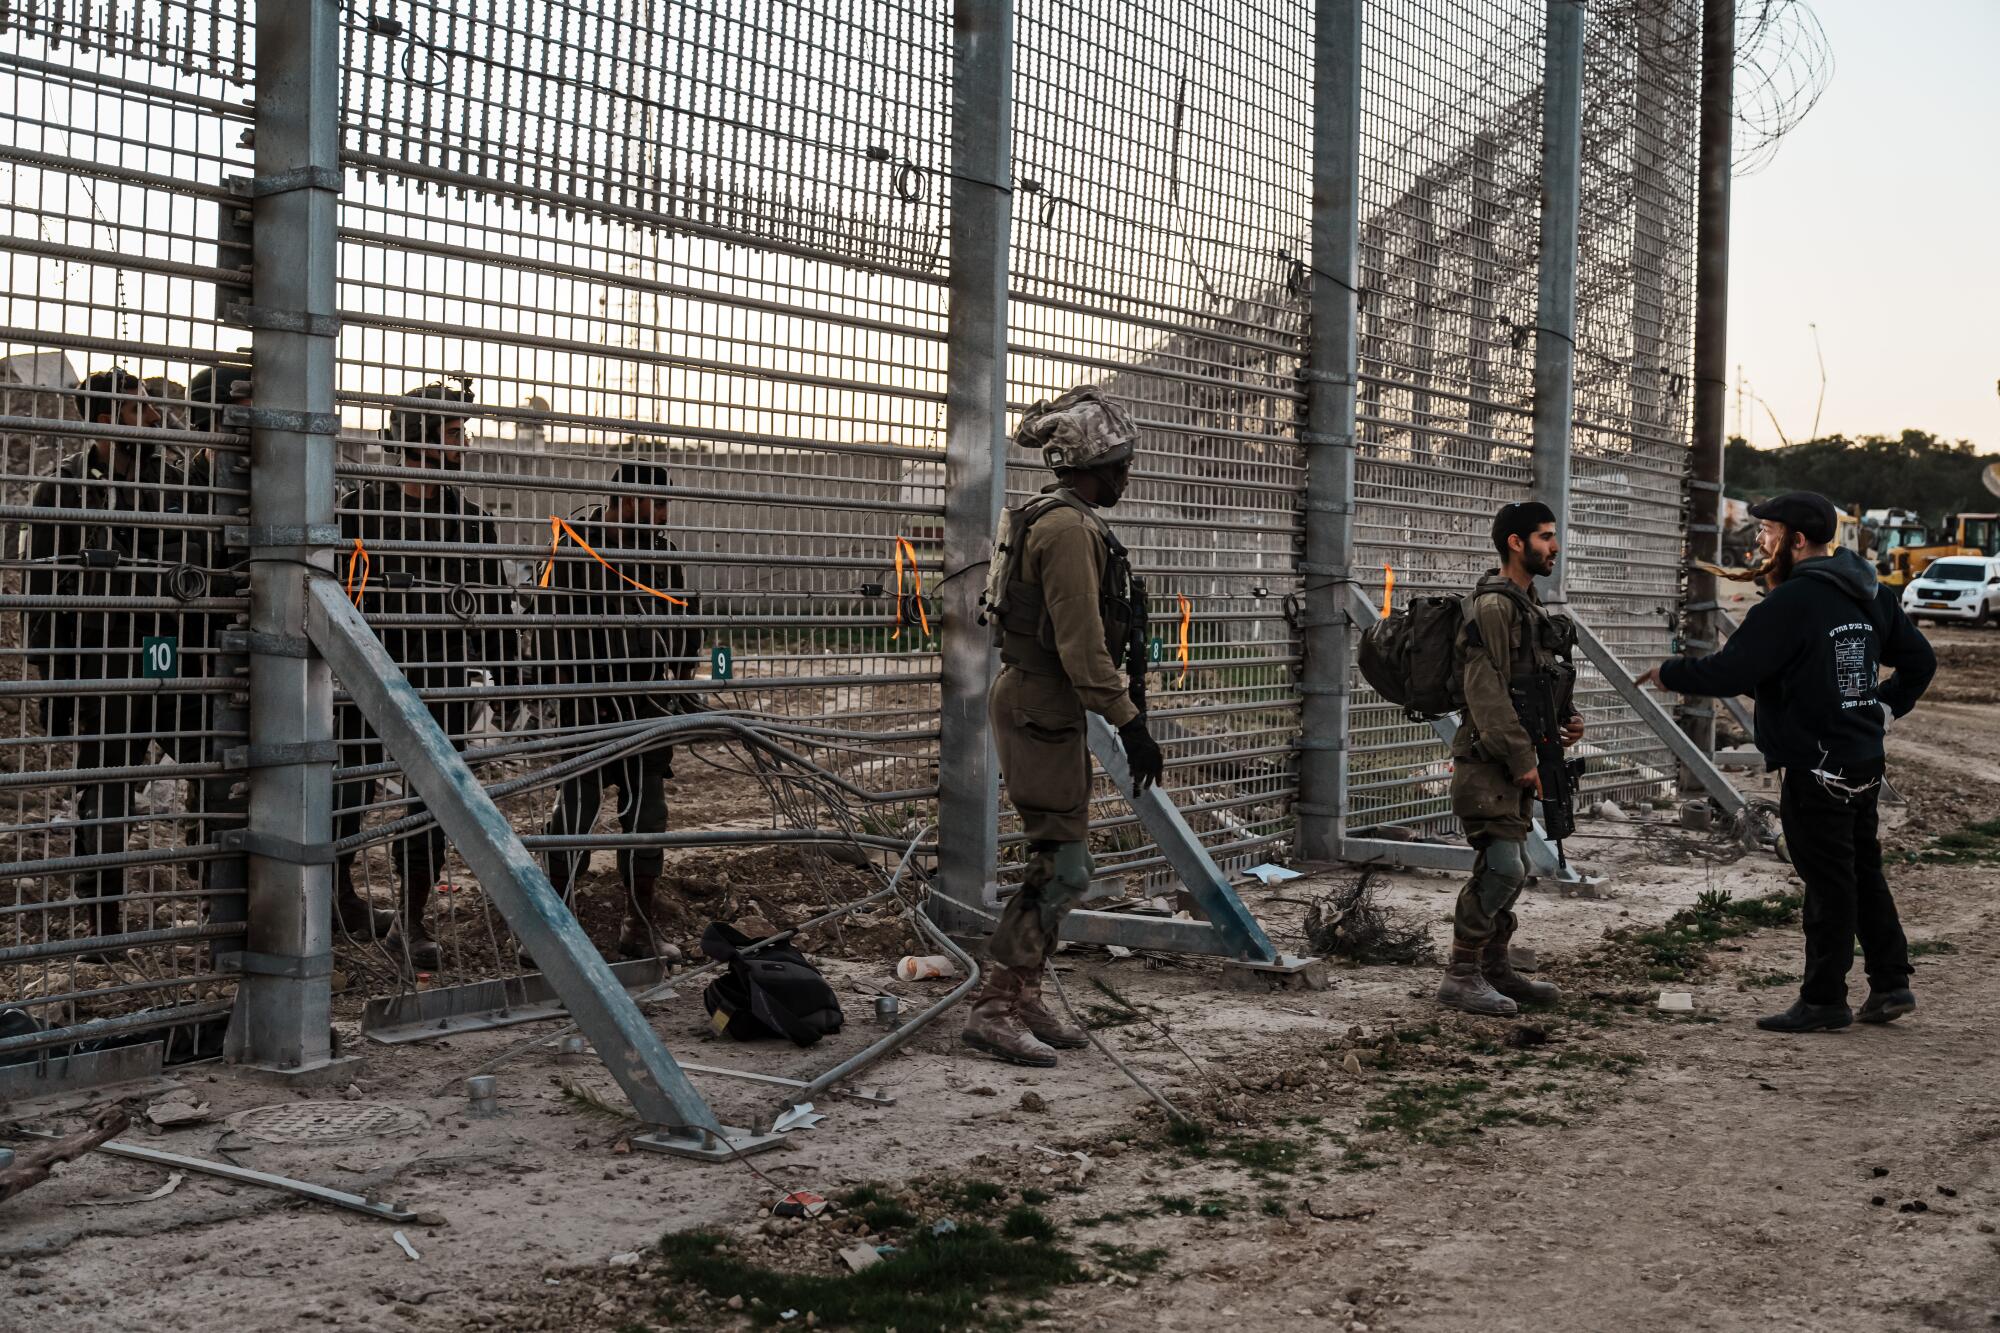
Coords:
pixel 1497 817
pixel 1038 730
pixel 104 809
pixel 640 780
pixel 417 856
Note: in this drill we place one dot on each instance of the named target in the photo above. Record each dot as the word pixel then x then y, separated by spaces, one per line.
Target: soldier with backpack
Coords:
pixel 1497 655
pixel 1508 646
pixel 1067 614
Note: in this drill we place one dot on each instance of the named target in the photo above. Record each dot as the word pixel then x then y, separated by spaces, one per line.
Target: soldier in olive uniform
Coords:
pixel 1507 641
pixel 119 542
pixel 455 601
pixel 610 648
pixel 1063 600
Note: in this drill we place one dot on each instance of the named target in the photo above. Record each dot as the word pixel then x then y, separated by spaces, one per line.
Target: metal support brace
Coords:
pixel 514 882
pixel 1617 675
pixel 1234 925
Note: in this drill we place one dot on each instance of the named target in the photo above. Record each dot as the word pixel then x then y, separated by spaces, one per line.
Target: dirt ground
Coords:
pixel 1370 1162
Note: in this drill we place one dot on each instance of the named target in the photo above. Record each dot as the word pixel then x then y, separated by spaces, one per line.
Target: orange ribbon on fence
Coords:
pixel 558 526
pixel 917 575
pixel 1388 589
pixel 1187 622
pixel 360 554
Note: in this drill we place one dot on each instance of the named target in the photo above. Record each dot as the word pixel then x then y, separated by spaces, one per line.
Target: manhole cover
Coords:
pixel 326 1122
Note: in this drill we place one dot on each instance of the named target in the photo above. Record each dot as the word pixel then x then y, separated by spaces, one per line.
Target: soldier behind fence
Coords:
pixel 1062 594
pixel 458 595
pixel 116 541
pixel 614 645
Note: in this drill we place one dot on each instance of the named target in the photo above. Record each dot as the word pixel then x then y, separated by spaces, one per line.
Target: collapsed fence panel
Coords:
pixel 121 705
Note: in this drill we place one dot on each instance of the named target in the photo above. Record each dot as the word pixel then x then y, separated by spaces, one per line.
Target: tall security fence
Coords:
pixel 645 340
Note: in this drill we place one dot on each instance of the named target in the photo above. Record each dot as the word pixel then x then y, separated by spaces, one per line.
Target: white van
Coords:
pixel 1957 587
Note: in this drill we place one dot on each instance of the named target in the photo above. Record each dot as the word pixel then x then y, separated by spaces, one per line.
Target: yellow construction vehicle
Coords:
pixel 1972 535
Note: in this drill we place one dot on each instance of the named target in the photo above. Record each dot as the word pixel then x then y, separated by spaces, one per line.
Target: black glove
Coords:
pixel 1142 754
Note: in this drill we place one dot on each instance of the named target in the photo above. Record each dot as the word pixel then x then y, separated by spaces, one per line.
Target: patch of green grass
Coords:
pixel 1260 1155
pixel 1182 1206
pixel 976 1194
pixel 1925 948
pixel 1678 949
pixel 928 1286
pixel 1412 1110
pixel 1975 844
pixel 1036 1197
pixel 1025 1223
pixel 1107 1219
pixel 1128 1258
pixel 1274 1208
pixel 1770 979
pixel 1190 1136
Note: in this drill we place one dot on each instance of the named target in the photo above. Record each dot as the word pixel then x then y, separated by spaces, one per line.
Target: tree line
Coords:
pixel 1915 470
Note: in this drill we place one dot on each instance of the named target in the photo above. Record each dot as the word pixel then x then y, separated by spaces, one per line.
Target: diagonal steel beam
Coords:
pixel 1237 927
pixel 659 1091
pixel 1619 677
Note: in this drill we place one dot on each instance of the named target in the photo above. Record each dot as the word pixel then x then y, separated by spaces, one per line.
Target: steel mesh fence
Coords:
pixel 1450 220
pixel 119 706
pixel 1162 206
pixel 642 356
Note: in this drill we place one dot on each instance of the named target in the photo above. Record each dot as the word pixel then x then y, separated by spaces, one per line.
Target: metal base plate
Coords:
pixel 1290 972
pixel 703 1146
pixel 36 1088
pixel 339 1069
pixel 448 1010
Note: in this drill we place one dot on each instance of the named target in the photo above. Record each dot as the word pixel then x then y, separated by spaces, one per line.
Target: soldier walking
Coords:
pixel 1063 601
pixel 1508 645
pixel 613 645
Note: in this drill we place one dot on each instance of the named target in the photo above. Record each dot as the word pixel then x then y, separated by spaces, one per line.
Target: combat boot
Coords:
pixel 1466 989
pixel 638 936
pixel 993 1027
pixel 1048 1026
pixel 1501 976
pixel 410 933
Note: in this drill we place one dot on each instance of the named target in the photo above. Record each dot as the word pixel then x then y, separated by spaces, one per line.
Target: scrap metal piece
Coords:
pixel 243 1175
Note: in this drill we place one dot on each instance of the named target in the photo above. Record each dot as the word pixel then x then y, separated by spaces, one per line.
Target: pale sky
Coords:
pixel 1877 221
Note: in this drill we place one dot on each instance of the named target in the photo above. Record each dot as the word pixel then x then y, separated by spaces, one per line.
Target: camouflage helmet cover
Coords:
pixel 1081 429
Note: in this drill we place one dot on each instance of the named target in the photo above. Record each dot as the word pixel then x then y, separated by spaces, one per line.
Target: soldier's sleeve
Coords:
pixel 1489 665
pixel 41 544
pixel 1072 568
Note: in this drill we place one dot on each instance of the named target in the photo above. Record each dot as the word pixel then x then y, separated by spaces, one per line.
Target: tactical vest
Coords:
pixel 1544 638
pixel 1022 629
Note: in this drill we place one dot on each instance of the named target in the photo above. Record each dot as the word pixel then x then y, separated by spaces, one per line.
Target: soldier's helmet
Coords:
pixel 1081 429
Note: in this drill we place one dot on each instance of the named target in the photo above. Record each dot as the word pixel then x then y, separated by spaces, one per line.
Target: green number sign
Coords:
pixel 1156 650
pixel 160 657
pixel 721 662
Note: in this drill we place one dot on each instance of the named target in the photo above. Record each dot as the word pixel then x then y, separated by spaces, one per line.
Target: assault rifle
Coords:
pixel 1536 704
pixel 1136 646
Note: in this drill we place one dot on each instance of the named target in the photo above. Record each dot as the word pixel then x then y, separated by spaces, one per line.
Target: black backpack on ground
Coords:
pixel 1411 658
pixel 772 993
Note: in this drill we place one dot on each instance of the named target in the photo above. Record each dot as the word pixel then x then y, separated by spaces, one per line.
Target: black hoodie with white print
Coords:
pixel 1811 654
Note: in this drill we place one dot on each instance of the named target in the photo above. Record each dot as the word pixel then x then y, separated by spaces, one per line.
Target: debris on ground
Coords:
pixel 1350 923
pixel 32 1165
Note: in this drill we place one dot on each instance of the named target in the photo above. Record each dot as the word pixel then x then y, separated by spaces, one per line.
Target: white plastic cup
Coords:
pixel 913 968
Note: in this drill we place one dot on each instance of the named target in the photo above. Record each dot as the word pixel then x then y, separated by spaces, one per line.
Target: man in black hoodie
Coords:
pixel 1811 653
